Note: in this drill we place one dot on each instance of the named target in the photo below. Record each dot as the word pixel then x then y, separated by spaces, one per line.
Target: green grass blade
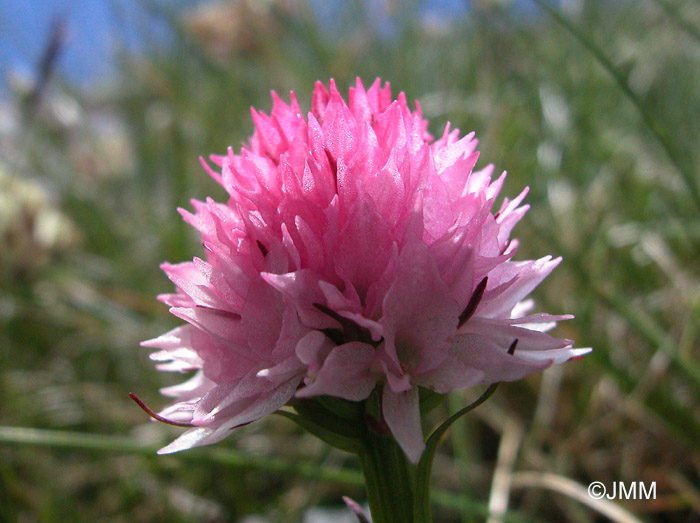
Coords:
pixel 672 12
pixel 217 454
pixel 677 158
pixel 233 458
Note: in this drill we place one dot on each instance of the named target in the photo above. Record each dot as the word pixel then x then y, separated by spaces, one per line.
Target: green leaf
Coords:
pixel 348 410
pixel 326 425
pixel 421 500
pixel 429 400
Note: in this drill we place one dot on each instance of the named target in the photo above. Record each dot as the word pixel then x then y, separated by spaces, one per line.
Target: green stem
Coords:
pixel 422 508
pixel 388 479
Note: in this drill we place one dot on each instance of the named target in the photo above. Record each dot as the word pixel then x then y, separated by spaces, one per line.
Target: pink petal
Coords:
pixel 484 354
pixel 402 413
pixel 451 374
pixel 261 318
pixel 302 289
pixel 193 438
pixel 420 316
pixel 365 245
pixel 344 374
pixel 518 279
pixel 504 332
pixel 230 405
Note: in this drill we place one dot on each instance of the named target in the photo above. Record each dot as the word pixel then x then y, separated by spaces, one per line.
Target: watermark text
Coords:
pixel 622 490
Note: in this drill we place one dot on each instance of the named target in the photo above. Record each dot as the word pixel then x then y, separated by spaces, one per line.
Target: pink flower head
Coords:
pixel 354 251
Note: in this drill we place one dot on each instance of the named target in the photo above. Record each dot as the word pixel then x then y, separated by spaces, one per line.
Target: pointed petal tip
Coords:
pixel 357 509
pixel 578 354
pixel 414 453
pixel 171 449
pixel 187 440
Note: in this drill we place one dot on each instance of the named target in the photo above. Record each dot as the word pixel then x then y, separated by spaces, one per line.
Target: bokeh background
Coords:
pixel 105 107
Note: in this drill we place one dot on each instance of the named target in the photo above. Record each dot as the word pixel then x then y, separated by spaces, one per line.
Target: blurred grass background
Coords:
pixel 593 104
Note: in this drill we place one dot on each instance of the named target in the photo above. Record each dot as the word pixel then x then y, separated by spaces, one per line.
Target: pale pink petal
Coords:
pixel 484 354
pixel 231 405
pixel 350 309
pixel 192 438
pixel 190 388
pixel 261 318
pixel 420 316
pixel 265 403
pixel 345 373
pixel 451 374
pixel 302 289
pixel 504 332
pixel 402 413
pixel 365 245
pixel 517 280
pixel 556 356
pixel 312 349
